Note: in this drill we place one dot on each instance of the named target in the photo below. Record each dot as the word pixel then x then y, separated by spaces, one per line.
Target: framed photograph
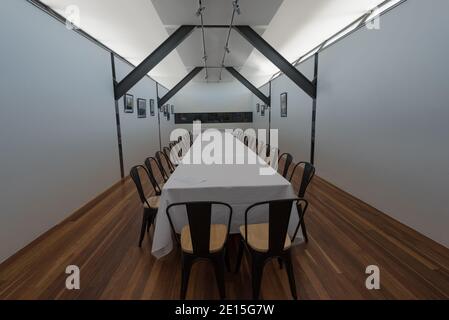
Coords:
pixel 284 105
pixel 129 103
pixel 172 109
pixel 258 107
pixel 152 111
pixel 262 111
pixel 141 108
pixel 168 116
pixel 166 110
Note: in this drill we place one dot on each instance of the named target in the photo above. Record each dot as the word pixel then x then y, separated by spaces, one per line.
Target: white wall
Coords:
pixel 294 131
pixel 167 126
pixel 140 136
pixel 214 97
pixel 382 116
pixel 58 135
pixel 259 121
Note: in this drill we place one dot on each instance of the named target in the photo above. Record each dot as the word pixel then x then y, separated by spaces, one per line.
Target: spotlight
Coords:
pixel 236 7
pixel 200 11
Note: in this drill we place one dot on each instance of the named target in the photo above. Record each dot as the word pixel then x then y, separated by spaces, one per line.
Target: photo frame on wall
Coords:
pixel 262 111
pixel 284 105
pixel 141 108
pixel 128 103
pixel 152 111
pixel 172 109
pixel 258 107
pixel 166 110
pixel 168 116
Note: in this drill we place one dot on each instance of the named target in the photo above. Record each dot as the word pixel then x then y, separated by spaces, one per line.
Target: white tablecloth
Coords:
pixel 239 185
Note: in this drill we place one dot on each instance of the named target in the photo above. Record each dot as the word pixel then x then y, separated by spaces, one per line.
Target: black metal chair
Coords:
pixel 287 163
pixel 150 205
pixel 265 241
pixel 202 240
pixel 308 172
pixel 164 164
pixel 167 152
pixel 150 164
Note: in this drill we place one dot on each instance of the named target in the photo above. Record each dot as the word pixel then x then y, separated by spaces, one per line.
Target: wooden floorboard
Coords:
pixel 346 235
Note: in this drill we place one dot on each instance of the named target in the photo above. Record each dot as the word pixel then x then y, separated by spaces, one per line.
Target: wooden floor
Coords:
pixel 346 236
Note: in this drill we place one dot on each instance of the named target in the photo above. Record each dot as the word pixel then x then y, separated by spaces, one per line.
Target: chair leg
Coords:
pixel 240 255
pixel 227 260
pixel 280 263
pixel 186 267
pixel 219 264
pixel 291 275
pixel 304 231
pixel 257 272
pixel 151 220
pixel 143 228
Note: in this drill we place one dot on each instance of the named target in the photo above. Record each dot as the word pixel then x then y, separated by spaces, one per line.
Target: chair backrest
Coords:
pixel 308 172
pixel 135 176
pixel 167 152
pixel 279 212
pixel 199 216
pixel 150 163
pixel 164 164
pixel 287 163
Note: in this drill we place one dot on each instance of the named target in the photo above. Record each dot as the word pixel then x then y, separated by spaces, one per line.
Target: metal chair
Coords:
pixel 265 241
pixel 166 169
pixel 202 240
pixel 308 172
pixel 287 163
pixel 150 205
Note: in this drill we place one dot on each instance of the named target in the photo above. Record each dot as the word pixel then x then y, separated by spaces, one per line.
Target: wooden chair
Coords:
pixel 287 163
pixel 265 241
pixel 150 205
pixel 308 172
pixel 202 240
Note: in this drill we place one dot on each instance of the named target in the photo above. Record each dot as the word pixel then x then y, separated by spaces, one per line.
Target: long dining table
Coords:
pixel 239 185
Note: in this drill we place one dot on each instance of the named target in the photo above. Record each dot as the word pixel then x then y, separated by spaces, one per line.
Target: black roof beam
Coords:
pixel 277 59
pixel 249 85
pixel 152 60
pixel 192 74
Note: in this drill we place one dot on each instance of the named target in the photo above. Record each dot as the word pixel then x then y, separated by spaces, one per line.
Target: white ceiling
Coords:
pixel 134 28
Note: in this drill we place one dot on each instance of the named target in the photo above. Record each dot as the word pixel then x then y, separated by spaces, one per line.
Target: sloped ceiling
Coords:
pixel 134 28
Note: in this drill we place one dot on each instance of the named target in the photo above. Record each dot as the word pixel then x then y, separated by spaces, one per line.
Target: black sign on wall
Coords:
pixel 214 117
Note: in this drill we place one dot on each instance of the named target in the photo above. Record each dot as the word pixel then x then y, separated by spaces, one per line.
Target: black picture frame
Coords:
pixel 284 103
pixel 262 111
pixel 141 108
pixel 258 107
pixel 172 109
pixel 152 111
pixel 128 103
pixel 168 116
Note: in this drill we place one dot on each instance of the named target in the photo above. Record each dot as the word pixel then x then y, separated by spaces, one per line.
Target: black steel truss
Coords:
pixel 277 59
pixel 179 86
pixel 183 32
pixel 152 60
pixel 249 85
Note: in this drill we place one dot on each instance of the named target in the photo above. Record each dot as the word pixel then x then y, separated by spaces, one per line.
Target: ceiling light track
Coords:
pixel 236 9
pixel 200 14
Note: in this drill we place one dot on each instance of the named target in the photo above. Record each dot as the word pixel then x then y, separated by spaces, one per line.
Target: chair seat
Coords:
pixel 218 233
pixel 258 235
pixel 153 201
